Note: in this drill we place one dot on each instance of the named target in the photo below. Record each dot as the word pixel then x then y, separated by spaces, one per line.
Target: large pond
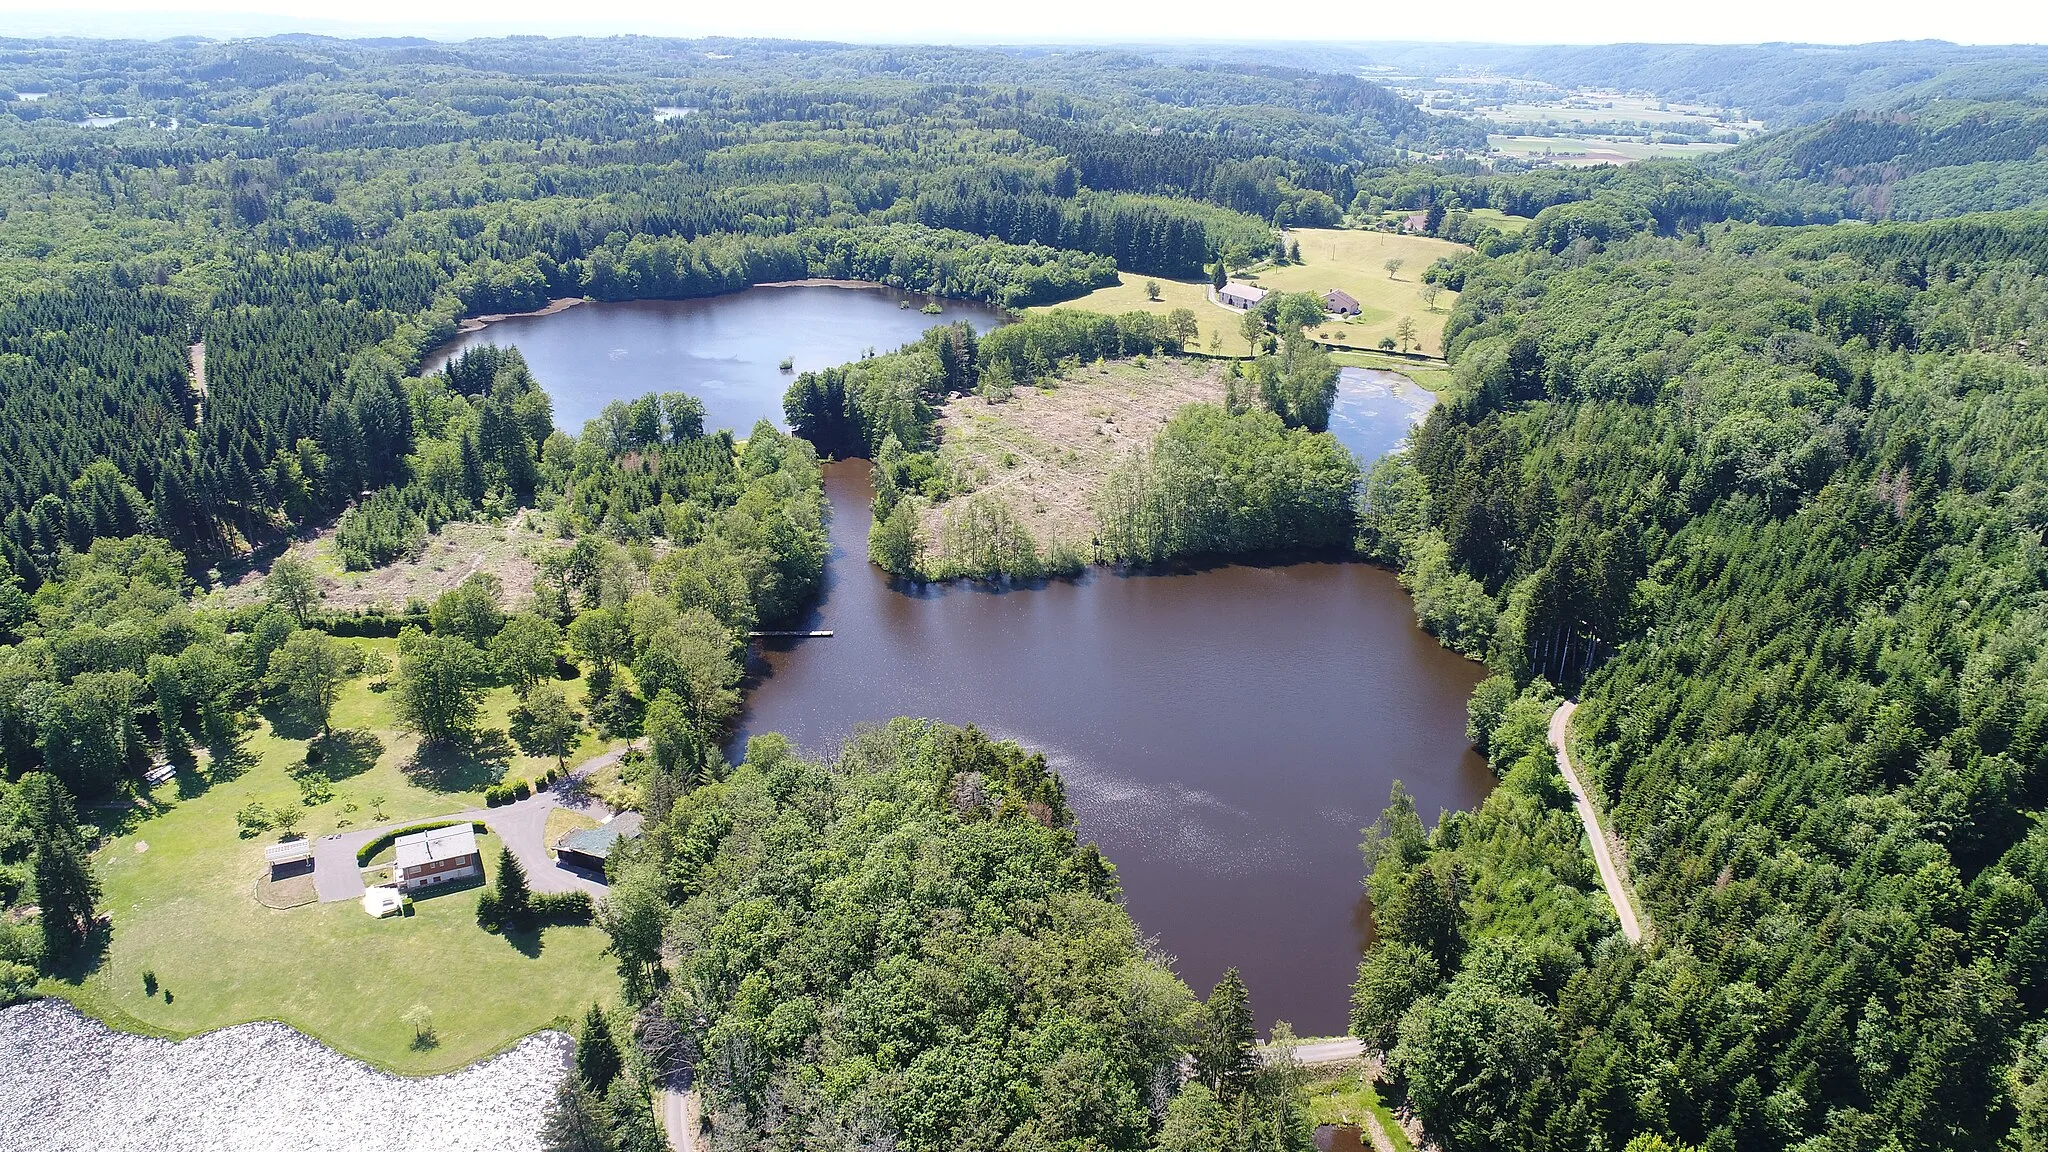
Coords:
pixel 725 350
pixel 1224 733
pixel 69 1084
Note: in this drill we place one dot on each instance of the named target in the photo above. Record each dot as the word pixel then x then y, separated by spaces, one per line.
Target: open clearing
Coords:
pixel 1351 259
pixel 1353 1098
pixel 459 548
pixel 1218 325
pixel 1355 261
pixel 187 907
pixel 1046 451
pixel 1577 151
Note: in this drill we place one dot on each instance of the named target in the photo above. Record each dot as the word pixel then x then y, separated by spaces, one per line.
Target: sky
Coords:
pixel 1055 21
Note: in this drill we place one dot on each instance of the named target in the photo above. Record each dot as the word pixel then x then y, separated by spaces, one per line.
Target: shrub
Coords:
pixel 494 796
pixel 253 820
pixel 562 907
pixel 522 790
pixel 367 851
pixel 16 981
pixel 487 911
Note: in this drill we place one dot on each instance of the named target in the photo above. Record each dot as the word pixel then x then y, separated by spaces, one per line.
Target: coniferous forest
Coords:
pixel 1748 457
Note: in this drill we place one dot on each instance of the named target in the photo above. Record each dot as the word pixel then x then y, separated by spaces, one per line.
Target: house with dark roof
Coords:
pixel 587 849
pixel 1339 302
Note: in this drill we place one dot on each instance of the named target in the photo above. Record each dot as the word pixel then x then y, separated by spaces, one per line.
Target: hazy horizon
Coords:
pixel 1055 22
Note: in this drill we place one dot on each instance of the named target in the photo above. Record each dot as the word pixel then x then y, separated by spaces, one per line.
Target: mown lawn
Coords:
pixel 1351 259
pixel 181 888
pixel 1355 261
pixel 1218 325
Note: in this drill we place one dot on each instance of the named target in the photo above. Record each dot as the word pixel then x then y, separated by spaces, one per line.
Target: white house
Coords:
pixel 1240 296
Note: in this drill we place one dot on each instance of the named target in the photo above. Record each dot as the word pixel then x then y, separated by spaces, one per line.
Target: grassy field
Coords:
pixel 1508 225
pixel 180 884
pixel 1585 150
pixel 1348 1099
pixel 1355 262
pixel 1045 452
pixel 1332 258
pixel 1218 324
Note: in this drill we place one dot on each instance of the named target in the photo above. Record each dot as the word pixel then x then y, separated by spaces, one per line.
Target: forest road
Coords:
pixel 1610 874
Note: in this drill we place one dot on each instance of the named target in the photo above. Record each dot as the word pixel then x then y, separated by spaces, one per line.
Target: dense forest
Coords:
pixel 1921 161
pixel 1767 500
pixel 264 200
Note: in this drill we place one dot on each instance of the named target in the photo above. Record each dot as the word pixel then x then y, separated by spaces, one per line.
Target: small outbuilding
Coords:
pixel 1240 296
pixel 587 849
pixel 289 858
pixel 382 901
pixel 436 856
pixel 1340 303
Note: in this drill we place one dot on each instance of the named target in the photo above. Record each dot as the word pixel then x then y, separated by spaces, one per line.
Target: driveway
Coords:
pixel 521 826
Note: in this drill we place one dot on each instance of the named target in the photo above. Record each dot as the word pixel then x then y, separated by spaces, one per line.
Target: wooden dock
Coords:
pixel 803 635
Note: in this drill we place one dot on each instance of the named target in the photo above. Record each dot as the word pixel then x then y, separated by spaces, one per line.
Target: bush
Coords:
pixel 487 911
pixel 495 796
pixel 562 907
pixel 17 980
pixel 367 851
pixel 522 790
pixel 254 820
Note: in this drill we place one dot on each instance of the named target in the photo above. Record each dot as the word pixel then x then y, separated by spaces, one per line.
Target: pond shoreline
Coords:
pixel 469 324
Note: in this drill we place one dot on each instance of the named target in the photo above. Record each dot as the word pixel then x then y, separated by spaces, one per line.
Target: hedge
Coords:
pixel 379 844
pixel 542 909
pixel 368 623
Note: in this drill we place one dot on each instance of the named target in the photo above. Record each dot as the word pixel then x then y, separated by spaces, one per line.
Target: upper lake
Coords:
pixel 725 350
pixel 1224 733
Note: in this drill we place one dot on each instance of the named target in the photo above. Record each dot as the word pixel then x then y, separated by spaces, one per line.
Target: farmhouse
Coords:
pixel 589 848
pixel 1340 302
pixel 436 856
pixel 1240 296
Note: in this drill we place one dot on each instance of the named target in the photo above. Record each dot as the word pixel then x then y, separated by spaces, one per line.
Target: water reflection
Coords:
pixel 725 350
pixel 1224 733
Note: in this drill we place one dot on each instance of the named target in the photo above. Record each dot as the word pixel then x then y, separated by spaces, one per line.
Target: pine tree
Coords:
pixel 597 1054
pixel 65 888
pixel 1226 1062
pixel 574 1122
pixel 515 903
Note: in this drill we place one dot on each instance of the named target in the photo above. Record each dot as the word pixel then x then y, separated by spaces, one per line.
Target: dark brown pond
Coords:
pixel 1224 734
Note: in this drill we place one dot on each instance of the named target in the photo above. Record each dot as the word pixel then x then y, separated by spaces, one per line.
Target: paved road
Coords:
pixel 1610 875
pixel 521 825
pixel 679 1119
pixel 1339 1051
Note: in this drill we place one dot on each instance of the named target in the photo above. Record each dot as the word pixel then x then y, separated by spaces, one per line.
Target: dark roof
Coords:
pixel 597 842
